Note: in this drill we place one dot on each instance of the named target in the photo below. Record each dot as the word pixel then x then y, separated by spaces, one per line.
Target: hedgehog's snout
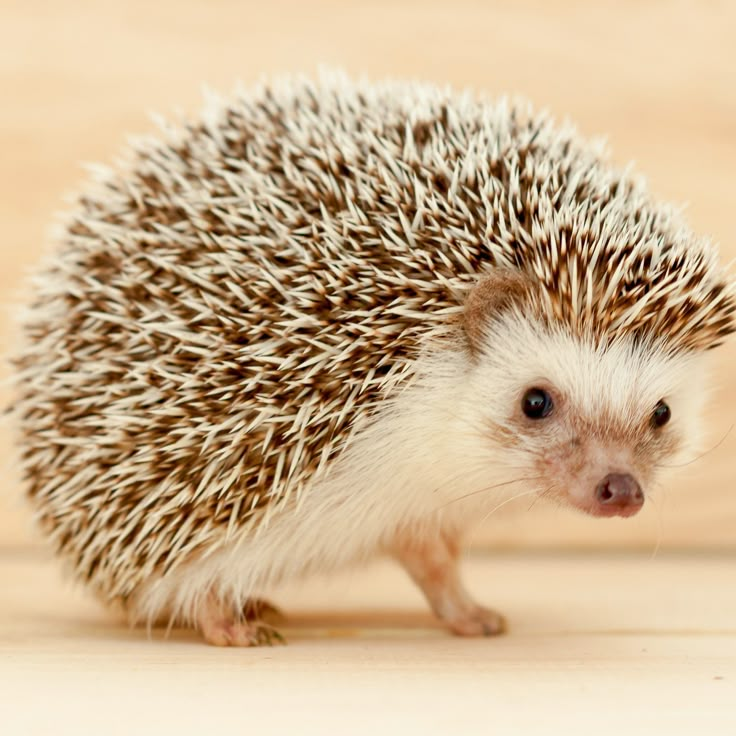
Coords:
pixel 618 494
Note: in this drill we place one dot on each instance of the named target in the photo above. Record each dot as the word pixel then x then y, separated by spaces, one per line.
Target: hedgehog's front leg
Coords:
pixel 433 565
pixel 224 626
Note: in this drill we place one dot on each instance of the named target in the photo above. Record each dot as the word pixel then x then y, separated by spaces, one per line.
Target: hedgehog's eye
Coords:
pixel 537 403
pixel 661 415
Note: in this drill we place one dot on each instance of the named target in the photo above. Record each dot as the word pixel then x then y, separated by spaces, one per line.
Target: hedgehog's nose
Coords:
pixel 619 494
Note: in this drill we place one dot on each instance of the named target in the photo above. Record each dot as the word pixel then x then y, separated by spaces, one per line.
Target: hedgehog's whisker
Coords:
pixel 507 501
pixel 702 454
pixel 659 528
pixel 485 489
pixel 501 505
pixel 466 472
pixel 541 494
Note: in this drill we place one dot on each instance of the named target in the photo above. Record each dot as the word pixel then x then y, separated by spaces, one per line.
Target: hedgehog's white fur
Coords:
pixel 250 357
pixel 426 462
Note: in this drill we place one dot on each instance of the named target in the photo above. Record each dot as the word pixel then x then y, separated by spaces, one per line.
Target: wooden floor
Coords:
pixel 598 645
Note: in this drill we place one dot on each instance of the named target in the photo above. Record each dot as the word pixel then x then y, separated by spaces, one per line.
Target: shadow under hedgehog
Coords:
pixel 333 319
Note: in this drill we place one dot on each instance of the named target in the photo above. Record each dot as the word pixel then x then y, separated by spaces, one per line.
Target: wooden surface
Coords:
pixel 659 79
pixel 597 645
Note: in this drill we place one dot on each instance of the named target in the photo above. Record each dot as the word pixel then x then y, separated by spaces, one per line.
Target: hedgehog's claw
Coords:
pixel 269 635
pixel 477 621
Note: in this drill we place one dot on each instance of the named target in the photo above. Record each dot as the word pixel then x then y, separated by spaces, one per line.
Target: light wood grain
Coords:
pixel 603 645
pixel 659 79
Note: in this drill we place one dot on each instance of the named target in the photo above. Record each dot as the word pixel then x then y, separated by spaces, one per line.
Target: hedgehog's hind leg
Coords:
pixel 433 565
pixel 222 625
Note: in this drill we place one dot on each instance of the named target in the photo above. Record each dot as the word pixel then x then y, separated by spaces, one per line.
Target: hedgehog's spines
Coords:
pixel 279 265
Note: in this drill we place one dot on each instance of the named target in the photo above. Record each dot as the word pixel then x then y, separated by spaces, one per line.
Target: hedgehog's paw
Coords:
pixel 433 563
pixel 221 627
pixel 231 632
pixel 476 621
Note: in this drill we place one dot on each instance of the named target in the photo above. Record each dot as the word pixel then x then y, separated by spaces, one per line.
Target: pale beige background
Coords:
pixel 657 78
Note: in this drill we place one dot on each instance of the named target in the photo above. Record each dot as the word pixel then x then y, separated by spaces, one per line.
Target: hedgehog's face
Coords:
pixel 596 424
pixel 588 425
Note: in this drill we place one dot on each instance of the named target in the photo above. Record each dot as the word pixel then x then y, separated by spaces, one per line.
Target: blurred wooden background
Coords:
pixel 657 78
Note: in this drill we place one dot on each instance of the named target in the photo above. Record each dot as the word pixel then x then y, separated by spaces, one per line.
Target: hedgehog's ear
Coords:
pixel 494 293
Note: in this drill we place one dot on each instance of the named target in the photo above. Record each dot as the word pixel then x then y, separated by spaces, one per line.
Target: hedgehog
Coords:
pixel 330 319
